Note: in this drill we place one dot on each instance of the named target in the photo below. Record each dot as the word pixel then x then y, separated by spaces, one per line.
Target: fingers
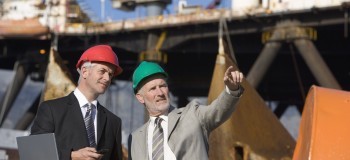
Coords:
pixel 237 77
pixel 233 76
pixel 229 70
pixel 228 73
pixel 91 152
pixel 91 149
pixel 88 153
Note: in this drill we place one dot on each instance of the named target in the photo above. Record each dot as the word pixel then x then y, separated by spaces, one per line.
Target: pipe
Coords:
pixel 262 63
pixel 316 64
pixel 155 8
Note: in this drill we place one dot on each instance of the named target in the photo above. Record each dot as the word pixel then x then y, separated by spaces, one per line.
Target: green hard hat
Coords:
pixel 144 70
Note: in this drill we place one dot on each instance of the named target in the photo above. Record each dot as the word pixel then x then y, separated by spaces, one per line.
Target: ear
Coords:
pixel 140 98
pixel 84 72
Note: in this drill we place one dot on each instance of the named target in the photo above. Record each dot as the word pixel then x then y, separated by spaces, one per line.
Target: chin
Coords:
pixel 102 91
pixel 164 106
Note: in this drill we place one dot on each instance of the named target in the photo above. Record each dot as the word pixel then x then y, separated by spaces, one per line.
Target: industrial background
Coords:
pixel 282 46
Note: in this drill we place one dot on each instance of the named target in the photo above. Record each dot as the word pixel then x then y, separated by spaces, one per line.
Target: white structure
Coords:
pixel 289 5
pixel 3 155
pixel 183 8
pixel 243 7
pixel 251 7
pixel 19 10
pixel 181 4
pixel 50 13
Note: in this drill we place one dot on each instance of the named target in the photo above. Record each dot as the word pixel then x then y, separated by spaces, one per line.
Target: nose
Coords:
pixel 159 91
pixel 107 76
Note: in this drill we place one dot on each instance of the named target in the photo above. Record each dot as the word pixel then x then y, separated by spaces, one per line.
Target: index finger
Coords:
pixel 95 155
pixel 229 70
pixel 90 149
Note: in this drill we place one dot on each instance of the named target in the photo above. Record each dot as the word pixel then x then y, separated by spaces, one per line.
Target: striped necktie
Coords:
pixel 158 141
pixel 89 124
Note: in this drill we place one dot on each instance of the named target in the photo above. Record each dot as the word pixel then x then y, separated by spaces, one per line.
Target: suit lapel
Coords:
pixel 141 140
pixel 173 118
pixel 77 118
pixel 101 121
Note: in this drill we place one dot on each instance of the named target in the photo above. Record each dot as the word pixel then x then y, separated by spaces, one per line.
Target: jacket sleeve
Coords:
pixel 43 122
pixel 216 113
pixel 119 142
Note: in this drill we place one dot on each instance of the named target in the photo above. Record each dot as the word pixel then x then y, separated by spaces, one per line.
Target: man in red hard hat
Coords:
pixel 83 128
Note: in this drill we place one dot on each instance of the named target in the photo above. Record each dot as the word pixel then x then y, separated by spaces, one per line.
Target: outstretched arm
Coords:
pixel 223 106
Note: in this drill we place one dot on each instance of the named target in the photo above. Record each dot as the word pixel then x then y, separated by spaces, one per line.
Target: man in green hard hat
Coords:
pixel 173 133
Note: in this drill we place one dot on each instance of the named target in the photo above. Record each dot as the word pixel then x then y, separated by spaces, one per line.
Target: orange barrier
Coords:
pixel 324 128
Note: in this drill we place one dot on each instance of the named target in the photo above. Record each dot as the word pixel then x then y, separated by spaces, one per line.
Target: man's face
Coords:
pixel 155 96
pixel 98 77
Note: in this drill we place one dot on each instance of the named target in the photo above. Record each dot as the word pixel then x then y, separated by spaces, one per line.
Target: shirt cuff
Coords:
pixel 235 93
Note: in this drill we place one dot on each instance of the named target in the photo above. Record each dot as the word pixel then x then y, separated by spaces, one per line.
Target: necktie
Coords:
pixel 158 141
pixel 89 124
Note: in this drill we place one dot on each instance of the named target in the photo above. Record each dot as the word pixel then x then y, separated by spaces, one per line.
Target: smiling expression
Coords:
pixel 98 77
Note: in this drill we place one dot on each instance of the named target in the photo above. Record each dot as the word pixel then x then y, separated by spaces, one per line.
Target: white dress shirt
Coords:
pixel 168 154
pixel 82 102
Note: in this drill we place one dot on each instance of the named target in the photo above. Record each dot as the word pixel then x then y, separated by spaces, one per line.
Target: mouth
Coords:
pixel 104 85
pixel 161 100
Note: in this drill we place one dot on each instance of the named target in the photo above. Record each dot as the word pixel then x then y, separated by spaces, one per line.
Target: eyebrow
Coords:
pixel 106 69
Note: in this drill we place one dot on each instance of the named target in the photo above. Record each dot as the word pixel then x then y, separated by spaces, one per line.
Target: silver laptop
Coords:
pixel 37 147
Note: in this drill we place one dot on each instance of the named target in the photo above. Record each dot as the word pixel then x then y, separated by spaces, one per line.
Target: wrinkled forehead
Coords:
pixel 156 79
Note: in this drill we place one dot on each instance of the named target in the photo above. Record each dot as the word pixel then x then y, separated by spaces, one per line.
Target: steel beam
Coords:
pixel 28 117
pixel 21 71
pixel 263 62
pixel 316 64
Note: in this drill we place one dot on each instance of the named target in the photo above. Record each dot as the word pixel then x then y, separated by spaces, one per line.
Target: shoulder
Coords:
pixel 56 100
pixel 190 107
pixel 194 104
pixel 109 114
pixel 62 101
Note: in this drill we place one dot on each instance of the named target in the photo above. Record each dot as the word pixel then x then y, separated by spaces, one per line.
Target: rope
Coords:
pixel 223 29
pixel 296 68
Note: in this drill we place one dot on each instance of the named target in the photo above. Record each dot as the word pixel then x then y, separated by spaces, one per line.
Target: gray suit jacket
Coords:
pixel 188 129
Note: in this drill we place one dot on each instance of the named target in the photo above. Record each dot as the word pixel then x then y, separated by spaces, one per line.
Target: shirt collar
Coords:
pixel 82 99
pixel 164 117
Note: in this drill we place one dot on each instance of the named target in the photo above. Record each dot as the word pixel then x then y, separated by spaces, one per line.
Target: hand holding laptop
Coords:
pixel 48 148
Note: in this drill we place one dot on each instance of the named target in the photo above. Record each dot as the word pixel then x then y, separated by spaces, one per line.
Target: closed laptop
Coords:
pixel 37 147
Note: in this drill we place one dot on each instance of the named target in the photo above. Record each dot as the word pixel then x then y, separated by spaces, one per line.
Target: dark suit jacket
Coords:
pixel 63 117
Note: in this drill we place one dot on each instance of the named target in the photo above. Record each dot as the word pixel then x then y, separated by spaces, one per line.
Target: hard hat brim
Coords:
pixel 147 78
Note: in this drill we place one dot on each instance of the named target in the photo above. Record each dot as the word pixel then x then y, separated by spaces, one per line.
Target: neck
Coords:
pixel 159 114
pixel 88 95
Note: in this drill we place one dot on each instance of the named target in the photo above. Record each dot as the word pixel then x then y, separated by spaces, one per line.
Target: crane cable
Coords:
pixel 297 72
pixel 223 29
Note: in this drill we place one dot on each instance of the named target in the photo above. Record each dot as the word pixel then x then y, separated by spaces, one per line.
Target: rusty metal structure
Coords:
pixel 252 132
pixel 265 45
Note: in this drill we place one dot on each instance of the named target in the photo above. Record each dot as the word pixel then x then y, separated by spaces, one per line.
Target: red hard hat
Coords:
pixel 101 53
